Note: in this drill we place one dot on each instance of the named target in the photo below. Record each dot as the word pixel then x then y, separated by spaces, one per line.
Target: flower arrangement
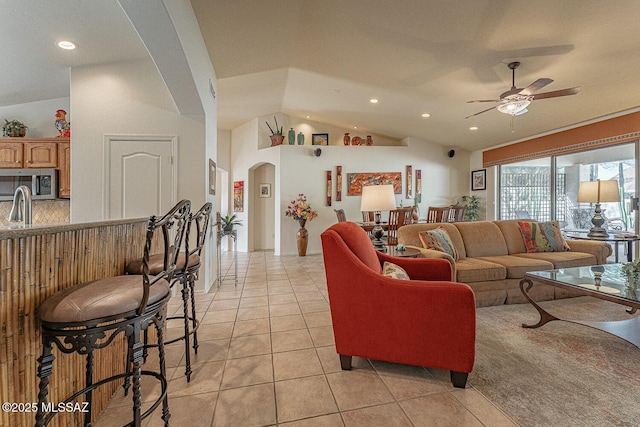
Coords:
pixel 299 209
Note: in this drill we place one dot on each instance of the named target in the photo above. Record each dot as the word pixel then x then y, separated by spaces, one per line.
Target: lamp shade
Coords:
pixel 599 191
pixel 378 198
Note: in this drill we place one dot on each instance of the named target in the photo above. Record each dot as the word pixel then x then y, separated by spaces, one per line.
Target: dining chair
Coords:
pixel 340 214
pixel 368 216
pixel 396 220
pixel 456 213
pixel 438 214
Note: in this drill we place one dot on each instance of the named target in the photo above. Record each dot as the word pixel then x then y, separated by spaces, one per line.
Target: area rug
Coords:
pixel 561 374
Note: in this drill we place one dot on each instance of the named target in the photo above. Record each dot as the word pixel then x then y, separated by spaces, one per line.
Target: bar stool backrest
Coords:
pixel 201 220
pixel 173 225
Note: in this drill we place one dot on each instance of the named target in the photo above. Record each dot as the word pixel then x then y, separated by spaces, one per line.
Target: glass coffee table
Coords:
pixel 605 282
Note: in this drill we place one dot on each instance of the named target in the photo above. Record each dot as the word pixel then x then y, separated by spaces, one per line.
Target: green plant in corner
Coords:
pixel 13 128
pixel 227 222
pixel 473 207
pixel 278 130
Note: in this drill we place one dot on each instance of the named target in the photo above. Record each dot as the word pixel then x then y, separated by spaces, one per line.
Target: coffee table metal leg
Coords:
pixel 544 316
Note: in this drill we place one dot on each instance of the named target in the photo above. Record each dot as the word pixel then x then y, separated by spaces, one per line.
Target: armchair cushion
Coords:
pixel 390 269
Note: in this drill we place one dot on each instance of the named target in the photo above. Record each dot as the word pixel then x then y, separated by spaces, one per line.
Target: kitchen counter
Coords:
pixel 36 262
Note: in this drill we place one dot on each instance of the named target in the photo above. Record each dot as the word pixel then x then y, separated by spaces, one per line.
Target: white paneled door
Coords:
pixel 140 176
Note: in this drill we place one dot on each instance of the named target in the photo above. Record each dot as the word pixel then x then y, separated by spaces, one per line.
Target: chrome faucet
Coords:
pixel 22 194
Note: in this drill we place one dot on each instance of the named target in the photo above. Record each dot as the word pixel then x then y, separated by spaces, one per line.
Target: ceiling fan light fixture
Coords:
pixel 515 104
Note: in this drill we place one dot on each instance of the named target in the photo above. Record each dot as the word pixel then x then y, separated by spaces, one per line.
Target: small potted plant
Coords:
pixel 473 207
pixel 227 222
pixel 13 128
pixel 276 136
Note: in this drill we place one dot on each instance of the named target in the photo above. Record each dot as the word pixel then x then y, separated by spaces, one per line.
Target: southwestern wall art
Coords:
pixel 355 181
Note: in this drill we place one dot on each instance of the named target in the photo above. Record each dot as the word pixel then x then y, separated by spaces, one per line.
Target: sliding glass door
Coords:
pixel 547 188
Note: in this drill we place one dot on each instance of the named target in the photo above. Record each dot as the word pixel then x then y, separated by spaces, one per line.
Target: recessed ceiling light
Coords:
pixel 355 127
pixel 426 115
pixel 308 117
pixel 64 44
pixel 373 101
pixel 473 128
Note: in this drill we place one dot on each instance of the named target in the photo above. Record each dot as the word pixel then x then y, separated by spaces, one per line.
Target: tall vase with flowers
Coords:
pixel 300 211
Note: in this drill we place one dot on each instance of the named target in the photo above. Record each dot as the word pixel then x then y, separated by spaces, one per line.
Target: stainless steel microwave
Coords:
pixel 43 183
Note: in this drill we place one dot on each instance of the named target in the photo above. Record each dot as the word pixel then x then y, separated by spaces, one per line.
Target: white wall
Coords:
pixel 127 98
pixel 298 170
pixel 39 117
pixel 488 198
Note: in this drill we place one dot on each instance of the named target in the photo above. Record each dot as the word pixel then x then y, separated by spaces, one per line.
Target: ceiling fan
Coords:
pixel 516 100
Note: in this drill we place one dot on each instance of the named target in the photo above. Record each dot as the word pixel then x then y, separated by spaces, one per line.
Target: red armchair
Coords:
pixel 426 321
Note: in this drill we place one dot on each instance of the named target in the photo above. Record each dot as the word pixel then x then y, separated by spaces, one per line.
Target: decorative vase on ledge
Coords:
pixel 292 136
pixel 276 139
pixel 300 138
pixel 302 237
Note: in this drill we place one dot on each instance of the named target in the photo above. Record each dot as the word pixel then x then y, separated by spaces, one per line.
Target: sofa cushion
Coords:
pixel 439 240
pixel 482 238
pixel 409 235
pixel 469 270
pixel 512 235
pixel 563 259
pixel 394 271
pixel 542 236
pixel 517 266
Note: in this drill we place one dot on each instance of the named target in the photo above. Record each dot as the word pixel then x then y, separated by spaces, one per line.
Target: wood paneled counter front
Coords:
pixel 35 263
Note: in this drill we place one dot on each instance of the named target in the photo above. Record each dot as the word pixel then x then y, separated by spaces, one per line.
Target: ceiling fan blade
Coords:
pixel 483 111
pixel 483 100
pixel 556 93
pixel 535 86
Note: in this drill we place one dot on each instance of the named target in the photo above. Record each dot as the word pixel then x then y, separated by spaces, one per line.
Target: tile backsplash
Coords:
pixel 43 212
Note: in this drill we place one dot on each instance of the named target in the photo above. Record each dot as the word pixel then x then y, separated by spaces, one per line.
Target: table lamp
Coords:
pixel 378 198
pixel 598 192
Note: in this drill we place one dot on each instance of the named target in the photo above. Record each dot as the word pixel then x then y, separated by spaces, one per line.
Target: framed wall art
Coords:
pixel 409 182
pixel 238 196
pixel 265 190
pixel 212 177
pixel 320 139
pixel 329 188
pixel 479 180
pixel 338 183
pixel 418 185
pixel 355 181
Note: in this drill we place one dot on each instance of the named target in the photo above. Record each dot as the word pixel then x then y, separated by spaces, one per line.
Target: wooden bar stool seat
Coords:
pixel 90 316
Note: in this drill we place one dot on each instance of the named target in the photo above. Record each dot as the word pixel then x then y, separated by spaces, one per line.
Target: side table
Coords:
pixel 407 253
pixel 234 236
pixel 616 240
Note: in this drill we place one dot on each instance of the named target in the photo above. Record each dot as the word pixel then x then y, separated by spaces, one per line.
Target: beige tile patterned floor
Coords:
pixel 266 358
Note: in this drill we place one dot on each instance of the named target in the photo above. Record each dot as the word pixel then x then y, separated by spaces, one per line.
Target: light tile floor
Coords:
pixel 266 358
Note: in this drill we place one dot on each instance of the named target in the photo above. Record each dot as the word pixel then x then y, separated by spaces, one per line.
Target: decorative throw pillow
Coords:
pixel 542 236
pixel 439 240
pixel 390 269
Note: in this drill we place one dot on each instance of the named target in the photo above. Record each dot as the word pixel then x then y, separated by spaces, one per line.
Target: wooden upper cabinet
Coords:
pixel 40 154
pixel 30 152
pixel 64 167
pixel 10 155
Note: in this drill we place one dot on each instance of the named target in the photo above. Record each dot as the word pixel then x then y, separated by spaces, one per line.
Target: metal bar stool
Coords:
pixel 186 275
pixel 89 316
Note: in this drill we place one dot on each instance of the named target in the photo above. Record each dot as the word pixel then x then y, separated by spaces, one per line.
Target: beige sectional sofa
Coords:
pixel 493 259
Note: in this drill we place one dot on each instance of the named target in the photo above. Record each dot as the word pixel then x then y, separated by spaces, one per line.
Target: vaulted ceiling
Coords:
pixel 326 59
